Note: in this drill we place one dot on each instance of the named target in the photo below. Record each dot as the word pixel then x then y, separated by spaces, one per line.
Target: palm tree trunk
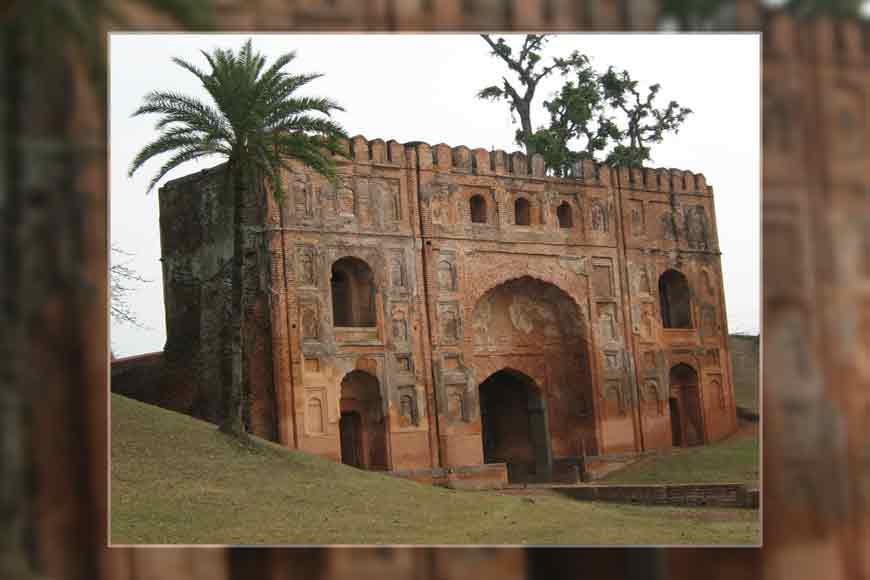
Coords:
pixel 233 422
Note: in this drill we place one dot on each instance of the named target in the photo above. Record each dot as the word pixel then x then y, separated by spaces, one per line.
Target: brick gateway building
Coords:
pixel 444 307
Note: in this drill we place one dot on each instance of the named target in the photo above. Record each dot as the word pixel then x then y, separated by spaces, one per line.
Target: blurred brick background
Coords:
pixel 816 315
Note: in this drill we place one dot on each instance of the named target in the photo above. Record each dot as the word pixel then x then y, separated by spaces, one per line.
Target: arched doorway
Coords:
pixel 363 425
pixel 353 293
pixel 687 426
pixel 514 429
pixel 536 329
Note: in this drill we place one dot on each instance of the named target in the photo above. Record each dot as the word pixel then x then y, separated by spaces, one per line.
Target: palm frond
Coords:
pixel 183 156
pixel 310 124
pixel 196 71
pixel 165 143
pixel 255 119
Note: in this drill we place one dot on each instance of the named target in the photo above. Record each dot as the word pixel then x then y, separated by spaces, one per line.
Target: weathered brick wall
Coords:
pixel 709 495
pixel 196 223
pixel 571 305
pixel 196 242
pixel 745 362
pixel 139 377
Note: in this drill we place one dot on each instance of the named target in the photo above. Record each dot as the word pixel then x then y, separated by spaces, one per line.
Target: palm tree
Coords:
pixel 257 124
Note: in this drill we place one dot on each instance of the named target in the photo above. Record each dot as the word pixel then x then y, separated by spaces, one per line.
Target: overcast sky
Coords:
pixel 422 87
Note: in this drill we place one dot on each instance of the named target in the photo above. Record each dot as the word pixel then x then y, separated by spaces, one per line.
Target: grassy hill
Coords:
pixel 733 460
pixel 179 480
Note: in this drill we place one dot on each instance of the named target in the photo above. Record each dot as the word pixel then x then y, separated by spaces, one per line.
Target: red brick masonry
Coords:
pixel 442 307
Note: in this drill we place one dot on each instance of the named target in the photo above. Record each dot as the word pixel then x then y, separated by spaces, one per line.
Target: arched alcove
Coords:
pixel 477 208
pixel 353 293
pixel 565 215
pixel 675 300
pixel 522 212
pixel 363 425
pixel 527 325
pixel 685 406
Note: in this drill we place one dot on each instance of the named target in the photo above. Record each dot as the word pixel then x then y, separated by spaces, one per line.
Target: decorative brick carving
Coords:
pixel 602 277
pixel 309 316
pixel 398 274
pixel 399 323
pixel 408 412
pixel 307 270
pixel 450 325
pixel 598 218
pixel 446 272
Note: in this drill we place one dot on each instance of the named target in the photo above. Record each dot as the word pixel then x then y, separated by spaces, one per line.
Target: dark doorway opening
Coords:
pixel 477 207
pixel 363 424
pixel 522 212
pixel 514 426
pixel 563 212
pixel 676 424
pixel 684 394
pixel 350 427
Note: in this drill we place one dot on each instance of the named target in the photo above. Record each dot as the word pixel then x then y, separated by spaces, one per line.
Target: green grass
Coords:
pixel 734 460
pixel 178 480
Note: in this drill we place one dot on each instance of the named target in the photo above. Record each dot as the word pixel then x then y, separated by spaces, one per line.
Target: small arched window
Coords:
pixel 315 415
pixel 522 212
pixel 674 297
pixel 564 213
pixel 477 205
pixel 353 293
pixel 409 409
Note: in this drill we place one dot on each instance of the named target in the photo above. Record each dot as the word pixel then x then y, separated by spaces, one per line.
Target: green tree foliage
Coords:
pixel 525 65
pixel 584 111
pixel 692 14
pixel 257 123
pixel 700 14
pixel 835 8
pixel 646 124
pixel 577 111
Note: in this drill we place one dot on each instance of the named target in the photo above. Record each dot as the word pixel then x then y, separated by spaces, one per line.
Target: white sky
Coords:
pixel 422 87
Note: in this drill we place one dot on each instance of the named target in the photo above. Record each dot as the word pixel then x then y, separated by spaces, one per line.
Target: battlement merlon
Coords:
pixel 820 39
pixel 462 159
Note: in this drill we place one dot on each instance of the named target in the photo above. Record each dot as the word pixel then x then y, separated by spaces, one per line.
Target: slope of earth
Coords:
pixel 179 480
pixel 732 460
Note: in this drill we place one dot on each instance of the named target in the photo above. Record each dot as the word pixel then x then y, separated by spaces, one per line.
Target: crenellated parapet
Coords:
pixel 820 40
pixel 462 159
pixel 662 180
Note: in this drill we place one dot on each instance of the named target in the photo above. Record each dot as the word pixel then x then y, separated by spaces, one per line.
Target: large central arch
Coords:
pixel 531 337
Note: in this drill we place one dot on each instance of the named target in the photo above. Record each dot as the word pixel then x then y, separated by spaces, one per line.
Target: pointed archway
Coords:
pixel 514 425
pixel 363 425
pixel 536 329
pixel 687 428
